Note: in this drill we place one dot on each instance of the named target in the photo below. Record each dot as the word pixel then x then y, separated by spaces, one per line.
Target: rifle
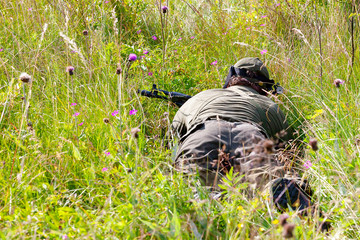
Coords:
pixel 178 98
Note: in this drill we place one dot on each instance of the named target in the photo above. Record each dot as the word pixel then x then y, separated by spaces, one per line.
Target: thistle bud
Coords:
pixel 106 120
pixel 24 77
pixel 118 71
pixel 337 82
pixel 313 144
pixel 70 70
pixel 164 9
pixel 85 32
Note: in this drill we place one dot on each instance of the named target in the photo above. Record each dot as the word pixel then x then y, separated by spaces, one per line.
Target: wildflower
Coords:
pixel 106 1
pixel 154 37
pixel 263 16
pixel 192 37
pixel 133 112
pixel 106 120
pixel 313 144
pixel 73 104
pixel 277 5
pixel 76 114
pixel 85 32
pixel 135 131
pixel 105 169
pixel 118 70
pixel 70 70
pixel 30 9
pixel 179 39
pixel 262 24
pixel 116 112
pixel 263 51
pixel 275 222
pixel 288 230
pixel 132 57
pixel 164 9
pixel 24 77
pixel 307 164
pixel 150 73
pixel 248 28
pixel 146 52
pixel 1 49
pixel 337 82
pixel 225 33
pixel 214 63
pixel 80 124
pixel 107 153
pixel 138 31
pixel 64 237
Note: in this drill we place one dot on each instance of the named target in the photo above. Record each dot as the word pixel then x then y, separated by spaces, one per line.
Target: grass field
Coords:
pixel 71 166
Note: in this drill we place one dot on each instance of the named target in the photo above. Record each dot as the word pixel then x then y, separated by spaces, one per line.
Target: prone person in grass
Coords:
pixel 220 129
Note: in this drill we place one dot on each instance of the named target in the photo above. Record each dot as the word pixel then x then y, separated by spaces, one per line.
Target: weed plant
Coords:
pixel 83 156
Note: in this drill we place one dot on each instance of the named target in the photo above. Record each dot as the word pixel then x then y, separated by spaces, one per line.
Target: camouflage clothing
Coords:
pixel 223 128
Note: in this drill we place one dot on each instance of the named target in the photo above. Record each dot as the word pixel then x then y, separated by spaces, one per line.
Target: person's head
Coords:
pixel 251 72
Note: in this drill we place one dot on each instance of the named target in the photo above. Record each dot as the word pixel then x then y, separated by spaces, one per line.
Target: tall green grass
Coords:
pixel 63 179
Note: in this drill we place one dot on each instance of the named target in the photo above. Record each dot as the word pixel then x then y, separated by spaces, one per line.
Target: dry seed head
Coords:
pixel 85 32
pixel 288 230
pixel 268 146
pixel 106 120
pixel 134 132
pixel 24 77
pixel 283 219
pixel 313 144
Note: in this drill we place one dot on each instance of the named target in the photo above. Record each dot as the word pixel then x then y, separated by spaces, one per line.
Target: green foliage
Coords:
pixel 89 176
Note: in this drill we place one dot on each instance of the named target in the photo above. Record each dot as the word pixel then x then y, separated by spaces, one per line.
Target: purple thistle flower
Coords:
pixel 106 1
pixel 132 57
pixel 73 104
pixel 164 9
pixel 76 114
pixel 146 52
pixel 133 112
pixel 1 49
pixel 70 70
pixel 107 153
pixel 263 51
pixel 307 164
pixel 337 82
pixel 263 16
pixel 179 39
pixel 248 28
pixel 30 9
pixel 116 112
pixel 277 4
pixel 214 63
pixel 192 37
pixel 104 169
pixel 80 124
pixel 138 31
pixel 262 25
pixel 150 73
pixel 154 38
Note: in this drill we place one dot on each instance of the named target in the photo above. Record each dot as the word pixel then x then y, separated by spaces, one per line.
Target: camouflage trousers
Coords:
pixel 217 146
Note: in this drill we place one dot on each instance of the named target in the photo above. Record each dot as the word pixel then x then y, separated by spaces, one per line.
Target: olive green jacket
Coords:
pixel 233 104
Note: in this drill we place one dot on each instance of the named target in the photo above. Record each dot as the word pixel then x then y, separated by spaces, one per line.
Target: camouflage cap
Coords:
pixel 253 64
